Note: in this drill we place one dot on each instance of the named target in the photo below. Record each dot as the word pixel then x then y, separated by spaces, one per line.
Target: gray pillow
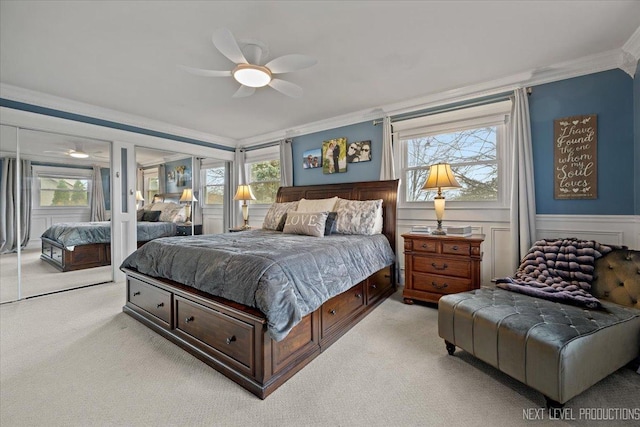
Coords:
pixel 275 213
pixel 306 223
pixel 151 216
pixel 359 217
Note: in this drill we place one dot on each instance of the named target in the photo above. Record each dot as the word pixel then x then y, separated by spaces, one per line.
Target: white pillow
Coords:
pixel 359 217
pixel 317 205
pixel 175 213
pixel 307 223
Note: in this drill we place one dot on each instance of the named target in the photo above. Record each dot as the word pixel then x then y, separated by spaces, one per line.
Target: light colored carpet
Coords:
pixel 74 359
pixel 40 277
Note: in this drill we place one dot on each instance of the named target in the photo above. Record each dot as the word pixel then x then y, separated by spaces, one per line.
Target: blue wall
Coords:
pixel 610 95
pixel 364 171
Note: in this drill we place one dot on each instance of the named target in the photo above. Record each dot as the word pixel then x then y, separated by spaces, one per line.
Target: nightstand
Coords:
pixel 185 230
pixel 439 265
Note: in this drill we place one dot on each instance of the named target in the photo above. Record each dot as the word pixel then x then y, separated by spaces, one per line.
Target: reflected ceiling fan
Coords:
pixel 77 153
pixel 247 71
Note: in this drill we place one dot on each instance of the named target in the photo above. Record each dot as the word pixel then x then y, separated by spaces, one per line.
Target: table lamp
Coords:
pixel 187 196
pixel 244 193
pixel 139 198
pixel 440 176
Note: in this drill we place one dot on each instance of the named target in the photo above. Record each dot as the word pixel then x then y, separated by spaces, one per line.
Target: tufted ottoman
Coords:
pixel 557 349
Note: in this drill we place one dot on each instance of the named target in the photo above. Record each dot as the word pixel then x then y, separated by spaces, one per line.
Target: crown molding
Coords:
pixel 561 71
pixel 40 99
pixel 632 46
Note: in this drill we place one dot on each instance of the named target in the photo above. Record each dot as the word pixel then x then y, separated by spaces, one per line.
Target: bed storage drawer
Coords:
pixel 151 299
pixel 341 307
pixel 202 326
pixel 378 284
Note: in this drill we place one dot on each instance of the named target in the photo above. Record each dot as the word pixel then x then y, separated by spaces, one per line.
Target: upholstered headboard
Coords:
pixel 370 190
pixel 617 277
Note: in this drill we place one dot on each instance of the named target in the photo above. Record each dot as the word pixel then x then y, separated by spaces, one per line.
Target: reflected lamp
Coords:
pixel 187 196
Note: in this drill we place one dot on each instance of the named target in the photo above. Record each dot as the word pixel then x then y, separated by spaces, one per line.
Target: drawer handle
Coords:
pixel 358 295
pixel 455 247
pixel 374 286
pixel 136 293
pixel 231 339
pixel 189 319
pixel 444 266
pixel 435 285
pixel 332 312
pixel 160 305
pixel 387 276
pixel 424 245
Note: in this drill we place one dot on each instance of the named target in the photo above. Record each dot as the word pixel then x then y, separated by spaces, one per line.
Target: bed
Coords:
pixel 81 245
pixel 260 352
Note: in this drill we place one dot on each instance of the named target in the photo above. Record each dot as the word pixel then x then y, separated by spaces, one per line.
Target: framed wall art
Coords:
pixel 575 157
pixel 359 152
pixel 334 155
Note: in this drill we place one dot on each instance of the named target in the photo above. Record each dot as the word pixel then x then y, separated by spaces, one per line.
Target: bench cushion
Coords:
pixel 557 349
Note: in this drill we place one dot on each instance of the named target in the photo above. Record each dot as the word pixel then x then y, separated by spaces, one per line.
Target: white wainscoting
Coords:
pixel 41 219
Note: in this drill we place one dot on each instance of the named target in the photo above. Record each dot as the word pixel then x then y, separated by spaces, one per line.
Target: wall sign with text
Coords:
pixel 575 157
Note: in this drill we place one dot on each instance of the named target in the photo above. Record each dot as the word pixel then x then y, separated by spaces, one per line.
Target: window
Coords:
pixel 472 154
pixel 264 179
pixel 153 188
pixel 56 191
pixel 470 140
pixel 214 186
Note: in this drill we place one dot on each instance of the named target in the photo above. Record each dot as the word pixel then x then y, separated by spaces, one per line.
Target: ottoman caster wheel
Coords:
pixel 450 348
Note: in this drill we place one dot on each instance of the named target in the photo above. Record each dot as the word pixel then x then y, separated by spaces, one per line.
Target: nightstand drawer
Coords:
pixel 420 245
pixel 440 284
pixel 456 248
pixel 442 266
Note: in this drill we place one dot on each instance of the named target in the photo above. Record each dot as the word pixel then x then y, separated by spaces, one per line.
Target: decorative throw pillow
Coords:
pixel 317 205
pixel 173 213
pixel 151 216
pixel 330 225
pixel 359 217
pixel 139 214
pixel 307 223
pixel 274 215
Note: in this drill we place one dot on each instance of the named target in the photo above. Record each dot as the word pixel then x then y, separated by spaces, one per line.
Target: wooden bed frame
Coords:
pixel 91 255
pixel 233 339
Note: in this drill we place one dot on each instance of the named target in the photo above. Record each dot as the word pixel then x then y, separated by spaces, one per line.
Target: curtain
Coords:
pixel 286 163
pixel 523 200
pixel 162 181
pixel 98 212
pixel 387 170
pixel 9 171
pixel 239 178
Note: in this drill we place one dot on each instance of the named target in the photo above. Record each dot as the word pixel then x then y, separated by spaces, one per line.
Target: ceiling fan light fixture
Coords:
pixel 252 75
pixel 79 154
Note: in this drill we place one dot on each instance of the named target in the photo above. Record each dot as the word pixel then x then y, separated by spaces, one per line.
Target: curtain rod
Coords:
pixel 452 107
pixel 265 145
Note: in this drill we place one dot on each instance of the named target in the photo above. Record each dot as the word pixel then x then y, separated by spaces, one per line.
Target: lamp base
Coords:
pixel 439 231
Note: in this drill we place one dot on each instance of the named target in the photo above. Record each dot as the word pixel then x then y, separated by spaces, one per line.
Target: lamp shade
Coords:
pixel 187 196
pixel 244 193
pixel 139 197
pixel 440 176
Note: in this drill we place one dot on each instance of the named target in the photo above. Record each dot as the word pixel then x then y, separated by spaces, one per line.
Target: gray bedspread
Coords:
pixel 73 234
pixel 285 276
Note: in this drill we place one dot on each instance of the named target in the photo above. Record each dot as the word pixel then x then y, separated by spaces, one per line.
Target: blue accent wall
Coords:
pixel 610 95
pixel 363 171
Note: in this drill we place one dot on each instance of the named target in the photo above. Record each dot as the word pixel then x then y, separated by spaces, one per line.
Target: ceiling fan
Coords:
pixel 77 153
pixel 247 71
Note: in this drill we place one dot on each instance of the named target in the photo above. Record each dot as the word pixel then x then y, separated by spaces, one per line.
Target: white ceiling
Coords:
pixel 124 56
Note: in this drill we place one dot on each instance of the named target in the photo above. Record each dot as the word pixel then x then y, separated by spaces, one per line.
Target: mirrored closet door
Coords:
pixel 64 209
pixel 9 256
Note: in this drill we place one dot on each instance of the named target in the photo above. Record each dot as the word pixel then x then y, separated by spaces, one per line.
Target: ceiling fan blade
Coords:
pixel 244 91
pixel 224 41
pixel 288 63
pixel 287 88
pixel 205 73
